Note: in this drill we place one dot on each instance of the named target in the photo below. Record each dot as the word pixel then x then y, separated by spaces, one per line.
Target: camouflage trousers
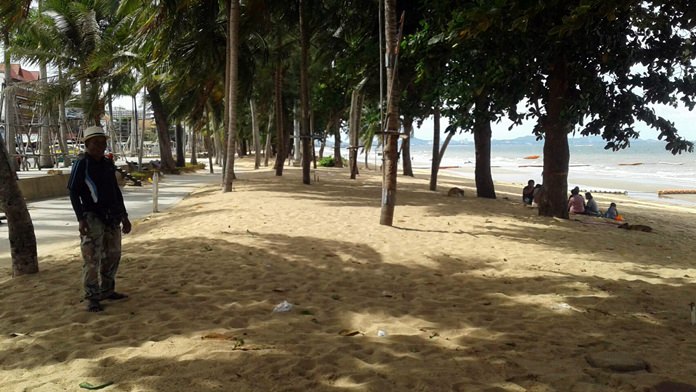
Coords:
pixel 101 253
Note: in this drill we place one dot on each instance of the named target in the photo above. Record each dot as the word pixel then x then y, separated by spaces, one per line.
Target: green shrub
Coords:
pixel 144 176
pixel 327 162
pixel 189 168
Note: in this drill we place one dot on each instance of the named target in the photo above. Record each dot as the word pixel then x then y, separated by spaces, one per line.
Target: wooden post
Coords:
pixel 155 191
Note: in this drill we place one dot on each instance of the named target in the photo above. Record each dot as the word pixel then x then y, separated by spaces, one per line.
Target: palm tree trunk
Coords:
pixel 84 99
pixel 219 149
pixel 322 142
pixel 134 129
pixel 267 149
pixel 556 153
pixel 110 126
pixel 356 104
pixel 10 130
pixel 256 134
pixel 391 153
pixel 482 144
pixel 304 96
pixel 195 131
pixel 208 143
pixel 63 124
pixel 338 159
pixel 180 142
pixel 296 139
pixel 142 135
pixel 280 121
pixel 443 148
pixel 167 160
pixel 435 165
pixel 21 230
pixel 231 107
pixel 406 146
pixel 45 158
pixel 62 133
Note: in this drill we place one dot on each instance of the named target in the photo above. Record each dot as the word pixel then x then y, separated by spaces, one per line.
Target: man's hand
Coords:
pixel 126 226
pixel 84 226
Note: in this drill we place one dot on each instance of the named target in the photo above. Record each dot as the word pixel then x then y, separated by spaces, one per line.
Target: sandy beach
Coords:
pixel 462 294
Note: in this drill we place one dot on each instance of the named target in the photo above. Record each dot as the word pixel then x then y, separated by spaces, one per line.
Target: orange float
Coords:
pixel 676 192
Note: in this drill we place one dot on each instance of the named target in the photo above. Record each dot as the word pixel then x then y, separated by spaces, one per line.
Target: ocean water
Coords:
pixel 639 171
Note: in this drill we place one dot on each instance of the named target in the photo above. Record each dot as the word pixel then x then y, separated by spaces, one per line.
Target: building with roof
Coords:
pixel 19 74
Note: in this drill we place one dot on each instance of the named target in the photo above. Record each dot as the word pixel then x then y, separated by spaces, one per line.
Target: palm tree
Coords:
pixel 233 91
pixel 147 30
pixel 45 159
pixel 305 135
pixel 197 59
pixel 392 130
pixel 12 14
pixel 21 229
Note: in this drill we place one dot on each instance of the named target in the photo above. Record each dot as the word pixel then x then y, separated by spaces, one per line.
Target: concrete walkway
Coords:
pixel 55 224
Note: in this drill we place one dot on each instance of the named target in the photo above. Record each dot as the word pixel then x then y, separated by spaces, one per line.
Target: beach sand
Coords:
pixel 470 295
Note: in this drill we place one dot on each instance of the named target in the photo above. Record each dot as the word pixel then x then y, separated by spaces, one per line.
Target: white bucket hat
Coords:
pixel 93 131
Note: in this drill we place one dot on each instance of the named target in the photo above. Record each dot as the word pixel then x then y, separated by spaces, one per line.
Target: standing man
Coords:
pixel 98 204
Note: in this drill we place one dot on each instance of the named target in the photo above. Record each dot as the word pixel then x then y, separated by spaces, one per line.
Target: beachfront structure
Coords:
pixel 27 120
pixel 24 95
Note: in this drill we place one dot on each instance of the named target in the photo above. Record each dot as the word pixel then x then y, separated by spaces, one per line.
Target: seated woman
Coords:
pixel 528 193
pixel 611 213
pixel 591 206
pixel 576 203
pixel 538 188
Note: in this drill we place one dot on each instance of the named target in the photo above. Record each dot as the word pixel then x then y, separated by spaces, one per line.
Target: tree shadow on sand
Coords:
pixel 449 326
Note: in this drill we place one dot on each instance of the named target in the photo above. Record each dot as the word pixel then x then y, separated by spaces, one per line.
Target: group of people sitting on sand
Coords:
pixel 576 203
pixel 588 206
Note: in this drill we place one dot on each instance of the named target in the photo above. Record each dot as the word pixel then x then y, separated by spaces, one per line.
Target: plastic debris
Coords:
pixel 284 306
pixel 89 386
pixel 381 333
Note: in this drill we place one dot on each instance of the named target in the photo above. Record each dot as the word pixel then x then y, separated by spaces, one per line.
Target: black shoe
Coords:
pixel 94 306
pixel 115 296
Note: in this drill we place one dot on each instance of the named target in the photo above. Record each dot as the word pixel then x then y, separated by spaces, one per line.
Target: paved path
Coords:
pixel 55 224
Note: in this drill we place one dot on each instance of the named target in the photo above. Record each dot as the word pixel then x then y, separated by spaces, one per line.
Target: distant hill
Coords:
pixel 524 140
pixel 577 141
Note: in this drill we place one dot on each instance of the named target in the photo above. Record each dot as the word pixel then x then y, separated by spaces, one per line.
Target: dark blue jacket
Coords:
pixel 93 188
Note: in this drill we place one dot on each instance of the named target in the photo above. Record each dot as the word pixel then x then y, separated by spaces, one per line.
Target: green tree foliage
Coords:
pixel 593 67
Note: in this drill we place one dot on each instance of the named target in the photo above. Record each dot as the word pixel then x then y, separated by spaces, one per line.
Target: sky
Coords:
pixel 684 120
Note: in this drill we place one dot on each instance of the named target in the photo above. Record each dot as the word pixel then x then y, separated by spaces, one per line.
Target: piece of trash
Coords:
pixel 218 336
pixel 284 306
pixel 89 386
pixel 17 334
pixel 562 307
pixel 345 332
pixel 381 333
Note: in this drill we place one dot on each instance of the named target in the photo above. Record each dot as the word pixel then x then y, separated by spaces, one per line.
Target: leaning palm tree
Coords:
pixel 21 230
pixel 12 15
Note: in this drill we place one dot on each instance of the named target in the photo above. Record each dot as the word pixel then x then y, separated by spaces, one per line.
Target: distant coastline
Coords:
pixel 640 171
